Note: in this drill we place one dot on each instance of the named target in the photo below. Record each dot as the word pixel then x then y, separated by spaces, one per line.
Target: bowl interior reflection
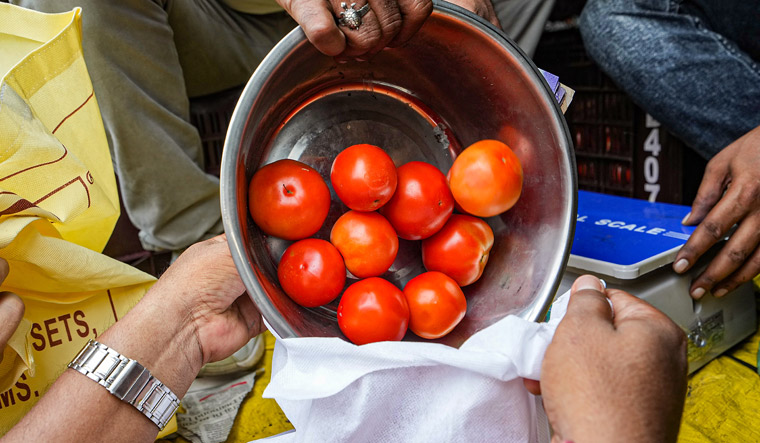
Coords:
pixel 457 81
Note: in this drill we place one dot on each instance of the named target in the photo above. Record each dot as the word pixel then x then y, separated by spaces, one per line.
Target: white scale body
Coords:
pixel 631 244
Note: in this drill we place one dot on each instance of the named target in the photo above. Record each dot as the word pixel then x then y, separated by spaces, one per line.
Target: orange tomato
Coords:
pixel 364 177
pixel 373 310
pixel 422 202
pixel 367 242
pixel 460 249
pixel 311 272
pixel 288 199
pixel 486 178
pixel 436 304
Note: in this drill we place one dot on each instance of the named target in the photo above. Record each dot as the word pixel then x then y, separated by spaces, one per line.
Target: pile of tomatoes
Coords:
pixel 415 201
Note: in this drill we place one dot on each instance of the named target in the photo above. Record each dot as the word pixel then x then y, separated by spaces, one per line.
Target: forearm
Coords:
pixel 158 334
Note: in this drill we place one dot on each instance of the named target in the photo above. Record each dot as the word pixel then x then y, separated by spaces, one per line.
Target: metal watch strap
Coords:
pixel 128 380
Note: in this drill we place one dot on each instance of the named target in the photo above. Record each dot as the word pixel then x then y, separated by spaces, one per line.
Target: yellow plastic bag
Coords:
pixel 58 205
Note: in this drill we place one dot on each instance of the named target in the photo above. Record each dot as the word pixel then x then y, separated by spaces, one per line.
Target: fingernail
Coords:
pixel 681 265
pixel 698 293
pixel 686 218
pixel 588 282
pixel 361 59
pixel 720 292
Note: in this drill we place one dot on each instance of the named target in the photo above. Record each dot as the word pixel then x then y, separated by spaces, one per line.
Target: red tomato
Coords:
pixel 364 177
pixel 460 249
pixel 367 242
pixel 436 304
pixel 373 310
pixel 288 199
pixel 422 202
pixel 311 272
pixel 486 178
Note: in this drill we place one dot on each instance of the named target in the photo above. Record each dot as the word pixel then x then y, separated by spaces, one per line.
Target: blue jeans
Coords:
pixel 692 64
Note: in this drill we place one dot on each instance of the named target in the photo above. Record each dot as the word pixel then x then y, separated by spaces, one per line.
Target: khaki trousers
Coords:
pixel 146 59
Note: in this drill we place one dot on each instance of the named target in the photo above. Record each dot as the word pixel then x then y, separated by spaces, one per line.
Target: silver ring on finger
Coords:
pixel 351 17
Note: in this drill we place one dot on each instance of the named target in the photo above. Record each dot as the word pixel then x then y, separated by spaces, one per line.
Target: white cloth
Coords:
pixel 334 391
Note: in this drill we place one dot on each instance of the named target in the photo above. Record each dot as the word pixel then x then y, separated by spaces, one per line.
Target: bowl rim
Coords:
pixel 230 169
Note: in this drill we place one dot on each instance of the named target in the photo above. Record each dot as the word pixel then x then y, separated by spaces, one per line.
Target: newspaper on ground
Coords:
pixel 211 405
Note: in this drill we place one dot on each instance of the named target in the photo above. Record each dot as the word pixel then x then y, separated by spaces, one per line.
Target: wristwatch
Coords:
pixel 128 380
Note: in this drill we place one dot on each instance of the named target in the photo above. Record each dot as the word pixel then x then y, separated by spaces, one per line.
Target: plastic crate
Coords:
pixel 619 149
pixel 211 115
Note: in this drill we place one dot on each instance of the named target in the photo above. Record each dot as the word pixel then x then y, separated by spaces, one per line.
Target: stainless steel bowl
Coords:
pixel 459 80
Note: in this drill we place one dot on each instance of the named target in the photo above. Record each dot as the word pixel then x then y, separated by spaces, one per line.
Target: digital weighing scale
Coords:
pixel 631 244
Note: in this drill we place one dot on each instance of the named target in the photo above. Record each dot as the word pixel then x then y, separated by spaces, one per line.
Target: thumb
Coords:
pixel 588 302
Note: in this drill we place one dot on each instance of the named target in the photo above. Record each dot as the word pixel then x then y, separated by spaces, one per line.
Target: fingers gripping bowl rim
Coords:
pixel 458 80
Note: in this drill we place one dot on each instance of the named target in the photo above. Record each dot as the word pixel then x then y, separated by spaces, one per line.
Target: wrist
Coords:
pixel 127 380
pixel 159 333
